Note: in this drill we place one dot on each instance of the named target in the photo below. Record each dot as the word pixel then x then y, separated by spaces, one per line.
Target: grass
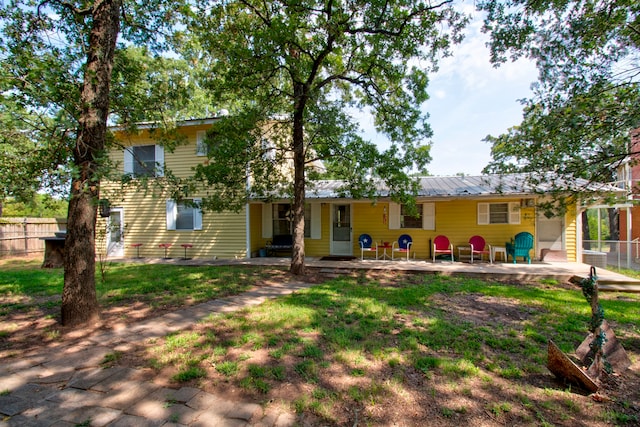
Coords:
pixel 25 286
pixel 374 345
pixel 362 328
pixel 629 272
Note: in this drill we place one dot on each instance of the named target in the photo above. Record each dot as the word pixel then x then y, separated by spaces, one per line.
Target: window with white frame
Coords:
pixel 268 149
pixel 201 146
pixel 283 219
pixel 499 213
pixel 277 219
pixel 401 217
pixel 184 215
pixel 410 220
pixel 144 160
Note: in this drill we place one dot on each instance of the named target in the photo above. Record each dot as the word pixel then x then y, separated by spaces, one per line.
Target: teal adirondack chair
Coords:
pixel 521 246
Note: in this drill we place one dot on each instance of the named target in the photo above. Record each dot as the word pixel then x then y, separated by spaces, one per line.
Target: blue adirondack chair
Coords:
pixel 521 246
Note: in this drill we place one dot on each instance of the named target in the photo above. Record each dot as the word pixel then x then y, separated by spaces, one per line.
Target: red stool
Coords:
pixel 137 246
pixel 165 246
pixel 186 246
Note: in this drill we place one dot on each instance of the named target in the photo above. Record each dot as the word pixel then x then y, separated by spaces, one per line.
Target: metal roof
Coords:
pixel 465 186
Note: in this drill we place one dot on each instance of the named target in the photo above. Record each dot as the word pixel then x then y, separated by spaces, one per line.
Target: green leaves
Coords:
pixel 43 52
pixel 311 65
pixel 586 102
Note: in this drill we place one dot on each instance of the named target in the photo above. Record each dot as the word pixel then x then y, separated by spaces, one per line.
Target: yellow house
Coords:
pixel 149 223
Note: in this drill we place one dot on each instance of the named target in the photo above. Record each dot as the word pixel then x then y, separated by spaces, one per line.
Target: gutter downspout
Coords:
pixel 247 221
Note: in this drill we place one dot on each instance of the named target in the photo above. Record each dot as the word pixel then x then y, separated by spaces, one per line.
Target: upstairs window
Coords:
pixel 268 149
pixel 144 161
pixel 201 146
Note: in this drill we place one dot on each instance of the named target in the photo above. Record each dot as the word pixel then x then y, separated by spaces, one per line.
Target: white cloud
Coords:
pixel 480 100
pixel 439 94
pixel 469 99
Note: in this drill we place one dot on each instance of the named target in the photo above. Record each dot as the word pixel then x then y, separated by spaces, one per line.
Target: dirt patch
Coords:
pixel 484 310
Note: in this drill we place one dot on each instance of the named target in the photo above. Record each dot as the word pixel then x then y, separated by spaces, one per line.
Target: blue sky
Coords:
pixel 470 99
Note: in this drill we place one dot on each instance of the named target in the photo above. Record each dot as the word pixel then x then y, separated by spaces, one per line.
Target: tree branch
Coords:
pixel 76 11
pixel 403 23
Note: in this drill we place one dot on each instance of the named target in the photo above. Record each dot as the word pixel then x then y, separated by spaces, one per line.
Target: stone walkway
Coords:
pixel 68 387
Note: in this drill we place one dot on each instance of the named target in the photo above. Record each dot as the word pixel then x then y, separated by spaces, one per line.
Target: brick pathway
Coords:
pixel 68 387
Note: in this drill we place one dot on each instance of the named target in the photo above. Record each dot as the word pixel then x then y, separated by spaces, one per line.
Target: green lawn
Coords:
pixel 379 350
pixel 155 285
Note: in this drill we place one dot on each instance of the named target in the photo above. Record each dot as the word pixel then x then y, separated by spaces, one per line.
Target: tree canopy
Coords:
pixel 62 73
pixel 587 98
pixel 40 206
pixel 296 72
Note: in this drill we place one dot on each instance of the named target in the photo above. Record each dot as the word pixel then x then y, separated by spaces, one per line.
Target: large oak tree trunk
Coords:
pixel 79 301
pixel 297 258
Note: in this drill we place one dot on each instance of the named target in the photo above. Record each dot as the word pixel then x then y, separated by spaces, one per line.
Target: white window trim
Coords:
pixel 428 216
pixel 267 221
pixel 159 159
pixel 513 216
pixel 201 146
pixel 316 221
pixel 268 149
pixel 172 215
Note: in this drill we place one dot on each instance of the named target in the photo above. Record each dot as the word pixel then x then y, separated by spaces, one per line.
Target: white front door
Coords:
pixel 115 233
pixel 550 233
pixel 341 239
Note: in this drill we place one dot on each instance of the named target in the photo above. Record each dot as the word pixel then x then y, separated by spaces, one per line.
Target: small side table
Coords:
pixel 186 246
pixel 498 250
pixel 464 252
pixel 137 246
pixel 165 246
pixel 384 246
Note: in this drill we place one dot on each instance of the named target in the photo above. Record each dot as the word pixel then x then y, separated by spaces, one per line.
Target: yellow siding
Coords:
pixel 320 247
pixel 313 247
pixel 456 219
pixel 222 235
pixel 571 233
pixel 180 161
pixel 368 219
pixel 255 220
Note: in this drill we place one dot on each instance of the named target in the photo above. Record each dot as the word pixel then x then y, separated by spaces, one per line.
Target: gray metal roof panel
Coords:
pixel 461 186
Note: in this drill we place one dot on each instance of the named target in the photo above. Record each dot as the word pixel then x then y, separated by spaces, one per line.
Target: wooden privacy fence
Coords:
pixel 21 236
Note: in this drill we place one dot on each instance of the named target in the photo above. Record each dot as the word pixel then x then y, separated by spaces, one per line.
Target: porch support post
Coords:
pixel 247 229
pixel 599 229
pixel 629 237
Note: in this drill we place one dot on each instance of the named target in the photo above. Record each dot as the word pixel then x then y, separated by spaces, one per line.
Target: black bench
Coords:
pixel 280 243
